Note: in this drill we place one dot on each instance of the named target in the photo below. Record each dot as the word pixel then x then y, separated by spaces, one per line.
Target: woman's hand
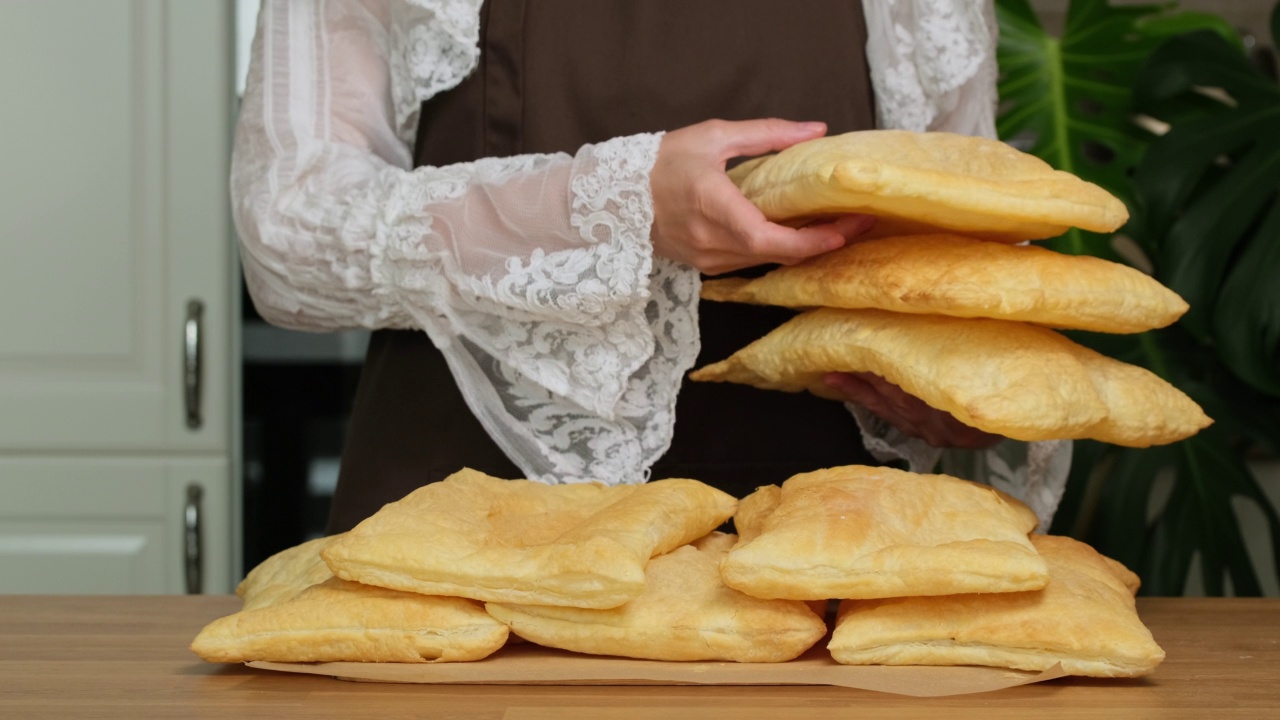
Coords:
pixel 701 219
pixel 908 413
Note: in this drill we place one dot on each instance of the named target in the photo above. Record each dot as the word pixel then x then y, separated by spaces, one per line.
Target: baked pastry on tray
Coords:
pixel 476 536
pixel 754 511
pixel 872 532
pixel 295 610
pixel 284 575
pixel 963 277
pixel 1009 378
pixel 1085 618
pixel 685 613
pixel 925 182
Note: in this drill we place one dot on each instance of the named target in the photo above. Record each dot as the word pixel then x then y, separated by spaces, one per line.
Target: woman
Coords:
pixel 551 238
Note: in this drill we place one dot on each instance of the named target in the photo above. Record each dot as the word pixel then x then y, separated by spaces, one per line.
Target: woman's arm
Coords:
pixel 337 231
pixel 539 262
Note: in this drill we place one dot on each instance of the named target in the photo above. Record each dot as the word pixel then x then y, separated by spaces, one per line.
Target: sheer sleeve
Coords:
pixel 534 274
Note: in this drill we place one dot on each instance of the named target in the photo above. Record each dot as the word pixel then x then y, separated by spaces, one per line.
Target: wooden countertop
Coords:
pixel 127 657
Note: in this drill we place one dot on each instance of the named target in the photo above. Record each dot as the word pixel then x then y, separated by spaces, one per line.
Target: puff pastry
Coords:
pixel 963 277
pixel 517 541
pixel 1009 378
pixel 685 613
pixel 1085 619
pixel 871 532
pixel 925 182
pixel 295 610
pixel 754 510
pixel 285 574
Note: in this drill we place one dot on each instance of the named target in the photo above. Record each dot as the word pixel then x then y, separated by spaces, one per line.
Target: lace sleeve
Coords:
pixel 534 274
pixel 933 67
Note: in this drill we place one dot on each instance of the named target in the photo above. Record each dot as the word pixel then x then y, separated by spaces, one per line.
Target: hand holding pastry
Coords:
pixel 700 218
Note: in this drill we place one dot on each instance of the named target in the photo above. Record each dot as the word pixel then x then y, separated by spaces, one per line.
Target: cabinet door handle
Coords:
pixel 191 370
pixel 192 544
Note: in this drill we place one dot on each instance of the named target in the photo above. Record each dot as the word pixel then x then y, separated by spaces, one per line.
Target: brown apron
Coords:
pixel 554 75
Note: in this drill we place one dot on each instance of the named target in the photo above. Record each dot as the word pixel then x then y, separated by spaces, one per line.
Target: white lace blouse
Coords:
pixel 533 274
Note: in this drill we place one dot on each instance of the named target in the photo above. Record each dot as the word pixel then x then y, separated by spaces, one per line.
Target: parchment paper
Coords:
pixel 530 664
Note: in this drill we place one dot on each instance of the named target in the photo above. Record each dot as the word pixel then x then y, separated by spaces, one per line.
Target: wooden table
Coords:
pixel 127 657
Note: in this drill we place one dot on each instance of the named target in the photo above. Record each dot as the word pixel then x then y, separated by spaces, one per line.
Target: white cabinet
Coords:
pixel 115 136
pixel 114 525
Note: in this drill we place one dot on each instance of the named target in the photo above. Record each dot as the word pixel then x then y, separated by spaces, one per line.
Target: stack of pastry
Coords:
pixel 296 610
pixel 443 573
pixel 941 301
pixel 933 570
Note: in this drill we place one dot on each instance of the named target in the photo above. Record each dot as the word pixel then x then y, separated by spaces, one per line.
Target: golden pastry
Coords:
pixel 295 610
pixel 754 510
pixel 963 277
pixel 1009 378
pixel 685 613
pixel 925 182
pixel 872 532
pixel 285 574
pixel 1085 619
pixel 476 536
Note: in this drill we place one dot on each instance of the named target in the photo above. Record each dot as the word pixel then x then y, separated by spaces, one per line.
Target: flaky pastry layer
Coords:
pixel 965 277
pixel 1085 618
pixel 918 183
pixel 1009 378
pixel 295 610
pixel 872 532
pixel 685 613
pixel 476 536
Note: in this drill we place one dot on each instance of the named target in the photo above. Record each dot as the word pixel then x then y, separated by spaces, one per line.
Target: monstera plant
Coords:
pixel 1201 176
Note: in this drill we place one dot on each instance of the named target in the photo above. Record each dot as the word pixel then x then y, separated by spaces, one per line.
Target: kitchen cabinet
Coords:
pixel 116 298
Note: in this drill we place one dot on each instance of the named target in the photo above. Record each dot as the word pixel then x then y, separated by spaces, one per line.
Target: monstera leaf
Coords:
pixel 1068 100
pixel 1210 217
pixel 1156 509
pixel 1203 201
